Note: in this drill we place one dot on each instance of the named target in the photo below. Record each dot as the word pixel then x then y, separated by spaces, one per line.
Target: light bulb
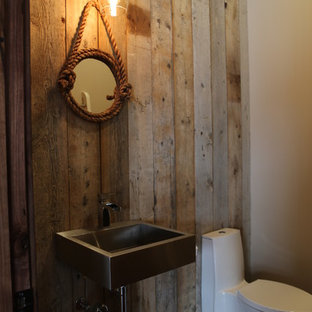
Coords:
pixel 114 7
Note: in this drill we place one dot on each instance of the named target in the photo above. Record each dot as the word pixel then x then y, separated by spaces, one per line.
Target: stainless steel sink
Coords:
pixel 125 252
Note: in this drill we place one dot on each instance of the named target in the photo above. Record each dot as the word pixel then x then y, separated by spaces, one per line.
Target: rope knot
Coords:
pixel 125 91
pixel 66 80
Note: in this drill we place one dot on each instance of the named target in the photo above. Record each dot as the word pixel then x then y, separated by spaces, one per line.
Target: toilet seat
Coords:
pixel 269 296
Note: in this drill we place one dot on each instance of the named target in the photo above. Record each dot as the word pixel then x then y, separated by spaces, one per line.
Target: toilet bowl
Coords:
pixel 224 288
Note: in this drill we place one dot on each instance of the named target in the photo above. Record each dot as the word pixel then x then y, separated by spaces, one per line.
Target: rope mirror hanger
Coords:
pixel 67 76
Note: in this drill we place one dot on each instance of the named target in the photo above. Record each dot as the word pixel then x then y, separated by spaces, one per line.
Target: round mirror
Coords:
pixel 94 86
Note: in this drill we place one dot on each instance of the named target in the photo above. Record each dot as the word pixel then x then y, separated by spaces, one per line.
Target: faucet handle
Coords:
pixel 106 209
pixel 113 206
pixel 104 202
pixel 114 210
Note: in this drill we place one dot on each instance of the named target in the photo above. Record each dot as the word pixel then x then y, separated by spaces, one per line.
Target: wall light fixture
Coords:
pixel 115 7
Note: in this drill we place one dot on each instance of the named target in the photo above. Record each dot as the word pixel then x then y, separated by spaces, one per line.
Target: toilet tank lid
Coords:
pixel 220 233
pixel 269 296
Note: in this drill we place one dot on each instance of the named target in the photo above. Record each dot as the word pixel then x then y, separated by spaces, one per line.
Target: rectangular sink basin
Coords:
pixel 125 252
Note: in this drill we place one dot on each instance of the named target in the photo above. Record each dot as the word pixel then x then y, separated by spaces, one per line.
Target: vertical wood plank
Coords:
pixel 16 149
pixel 245 133
pixel 114 142
pixel 141 135
pixel 164 144
pixel 219 110
pixel 184 141
pixel 203 130
pixel 83 136
pixel 83 152
pixel 184 114
pixel 28 142
pixel 109 130
pixel 234 113
pixel 50 153
pixel 140 112
pixel 114 132
pixel 5 259
pixel 163 113
pixel 166 292
pixel 143 296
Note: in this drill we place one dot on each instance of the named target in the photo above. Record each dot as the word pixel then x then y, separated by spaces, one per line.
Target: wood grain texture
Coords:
pixel 184 142
pixel 140 114
pixel 114 132
pixel 143 296
pixel 83 153
pixel 15 110
pixel 219 112
pixel 28 143
pixel 141 171
pixel 234 113
pixel 166 158
pixel 184 115
pixel 5 258
pixel 164 141
pixel 163 113
pixel 203 130
pixel 50 152
pixel 110 147
pixel 114 143
pixel 83 136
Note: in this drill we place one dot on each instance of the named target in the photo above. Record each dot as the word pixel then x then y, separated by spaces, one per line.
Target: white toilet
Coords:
pixel 225 290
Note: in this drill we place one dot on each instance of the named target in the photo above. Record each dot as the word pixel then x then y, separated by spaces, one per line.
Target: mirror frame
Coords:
pixel 67 77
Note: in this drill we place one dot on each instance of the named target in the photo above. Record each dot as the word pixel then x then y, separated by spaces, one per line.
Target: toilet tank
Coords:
pixel 222 264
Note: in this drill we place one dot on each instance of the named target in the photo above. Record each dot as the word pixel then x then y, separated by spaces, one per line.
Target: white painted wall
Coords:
pixel 280 69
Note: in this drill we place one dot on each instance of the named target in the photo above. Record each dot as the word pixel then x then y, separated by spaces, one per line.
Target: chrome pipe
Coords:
pixel 123 299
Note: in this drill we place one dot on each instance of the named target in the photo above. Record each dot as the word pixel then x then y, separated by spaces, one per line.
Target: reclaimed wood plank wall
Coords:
pixel 5 260
pixel 15 63
pixel 172 157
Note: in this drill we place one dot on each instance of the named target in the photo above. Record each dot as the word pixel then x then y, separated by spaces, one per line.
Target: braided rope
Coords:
pixel 67 75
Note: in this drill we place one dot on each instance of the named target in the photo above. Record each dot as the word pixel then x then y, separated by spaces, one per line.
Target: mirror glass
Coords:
pixel 94 82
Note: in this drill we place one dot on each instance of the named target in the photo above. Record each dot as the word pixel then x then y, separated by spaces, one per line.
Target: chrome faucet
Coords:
pixel 105 209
